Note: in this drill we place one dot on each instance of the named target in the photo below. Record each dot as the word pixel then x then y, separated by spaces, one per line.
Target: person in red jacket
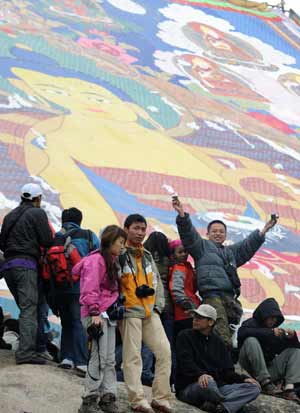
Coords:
pixel 183 287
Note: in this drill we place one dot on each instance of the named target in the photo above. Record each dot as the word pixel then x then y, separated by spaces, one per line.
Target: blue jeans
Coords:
pixel 73 335
pixel 232 396
pixel 43 323
pixel 168 324
pixel 147 357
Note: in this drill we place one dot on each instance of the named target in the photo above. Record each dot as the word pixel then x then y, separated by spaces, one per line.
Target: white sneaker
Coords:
pixel 66 364
pixel 81 370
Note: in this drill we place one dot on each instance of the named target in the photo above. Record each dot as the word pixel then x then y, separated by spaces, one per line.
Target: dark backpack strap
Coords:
pixel 69 232
pixel 90 240
pixel 82 233
pixel 122 260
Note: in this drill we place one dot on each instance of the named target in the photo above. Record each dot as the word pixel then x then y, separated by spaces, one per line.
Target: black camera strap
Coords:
pixel 130 265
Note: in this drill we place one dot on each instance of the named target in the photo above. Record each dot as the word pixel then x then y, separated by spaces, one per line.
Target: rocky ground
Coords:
pixel 45 389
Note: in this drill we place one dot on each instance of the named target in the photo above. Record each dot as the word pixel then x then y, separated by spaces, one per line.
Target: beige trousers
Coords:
pixel 151 332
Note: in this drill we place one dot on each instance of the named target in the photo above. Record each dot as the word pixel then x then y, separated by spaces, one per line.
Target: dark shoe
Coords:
pixel 45 355
pixel 270 389
pixel 108 403
pixel 32 360
pixel 220 408
pixel 4 345
pixel 291 395
pixel 208 406
pixel 90 405
pixel 158 407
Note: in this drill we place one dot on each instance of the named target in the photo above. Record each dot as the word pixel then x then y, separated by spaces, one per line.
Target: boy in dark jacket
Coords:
pixel 73 351
pixel 205 375
pixel 268 352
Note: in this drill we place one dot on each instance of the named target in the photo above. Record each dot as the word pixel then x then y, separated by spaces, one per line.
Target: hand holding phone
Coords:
pixel 270 224
pixel 170 190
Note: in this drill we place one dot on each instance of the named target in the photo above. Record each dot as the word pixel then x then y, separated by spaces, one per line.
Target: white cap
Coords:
pixel 207 311
pixel 30 191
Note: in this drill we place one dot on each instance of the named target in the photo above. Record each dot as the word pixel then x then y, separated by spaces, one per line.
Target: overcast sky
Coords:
pixel 289 4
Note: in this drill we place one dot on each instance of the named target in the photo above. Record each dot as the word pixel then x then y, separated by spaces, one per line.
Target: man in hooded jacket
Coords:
pixel 270 353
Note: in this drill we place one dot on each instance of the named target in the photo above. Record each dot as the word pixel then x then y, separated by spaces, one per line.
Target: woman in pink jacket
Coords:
pixel 99 291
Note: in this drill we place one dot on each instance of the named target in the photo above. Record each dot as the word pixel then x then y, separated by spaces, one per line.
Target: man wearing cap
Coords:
pixel 24 231
pixel 205 375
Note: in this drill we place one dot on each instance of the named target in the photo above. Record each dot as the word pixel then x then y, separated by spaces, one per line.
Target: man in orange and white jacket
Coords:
pixel 144 301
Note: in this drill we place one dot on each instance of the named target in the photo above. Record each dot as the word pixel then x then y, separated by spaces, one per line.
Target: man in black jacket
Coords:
pixel 24 231
pixel 268 352
pixel 205 375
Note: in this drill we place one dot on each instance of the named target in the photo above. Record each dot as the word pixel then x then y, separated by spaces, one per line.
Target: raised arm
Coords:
pixel 190 238
pixel 244 250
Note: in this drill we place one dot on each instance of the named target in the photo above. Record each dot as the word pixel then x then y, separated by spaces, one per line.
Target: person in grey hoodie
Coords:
pixel 216 266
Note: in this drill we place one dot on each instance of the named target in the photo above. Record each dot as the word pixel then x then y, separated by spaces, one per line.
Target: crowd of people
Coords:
pixel 162 309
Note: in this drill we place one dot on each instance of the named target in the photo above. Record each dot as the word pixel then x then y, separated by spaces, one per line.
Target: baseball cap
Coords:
pixel 206 310
pixel 30 191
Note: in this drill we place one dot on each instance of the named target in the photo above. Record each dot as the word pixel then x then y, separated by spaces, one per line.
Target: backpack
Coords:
pixel 60 258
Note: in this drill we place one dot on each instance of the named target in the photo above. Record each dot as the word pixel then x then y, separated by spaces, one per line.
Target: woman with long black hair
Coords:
pixel 99 293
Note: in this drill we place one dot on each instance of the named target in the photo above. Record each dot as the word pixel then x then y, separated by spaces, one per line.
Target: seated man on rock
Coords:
pixel 205 375
pixel 269 353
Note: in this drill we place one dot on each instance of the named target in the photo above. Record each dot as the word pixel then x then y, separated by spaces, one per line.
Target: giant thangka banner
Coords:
pixel 107 104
